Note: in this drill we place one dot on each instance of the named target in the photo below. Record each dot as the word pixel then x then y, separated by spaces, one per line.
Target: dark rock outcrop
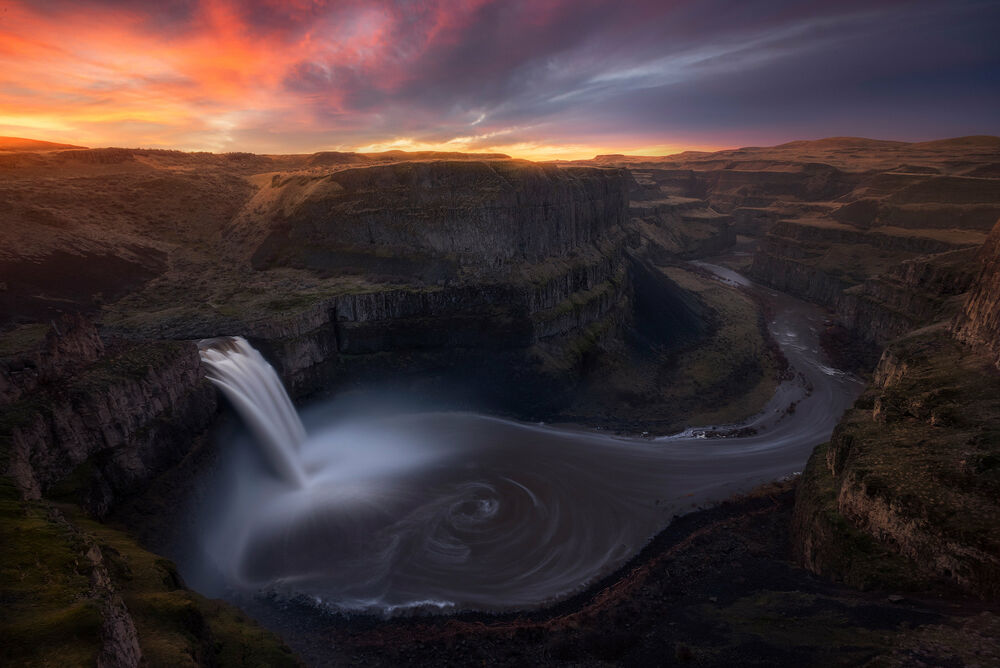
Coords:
pixel 979 321
pixel 69 345
pixel 910 480
pixel 908 296
pixel 102 430
pixel 485 214
pixel 907 488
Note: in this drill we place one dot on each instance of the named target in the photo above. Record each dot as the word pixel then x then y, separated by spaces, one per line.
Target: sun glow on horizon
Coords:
pixel 584 79
pixel 529 150
pixel 223 81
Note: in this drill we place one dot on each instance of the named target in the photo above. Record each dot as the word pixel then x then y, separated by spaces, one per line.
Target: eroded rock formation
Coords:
pixel 979 321
pixel 908 486
pixel 105 428
pixel 484 214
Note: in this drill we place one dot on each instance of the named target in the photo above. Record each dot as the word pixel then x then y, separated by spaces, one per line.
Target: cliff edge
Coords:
pixel 979 321
pixel 908 489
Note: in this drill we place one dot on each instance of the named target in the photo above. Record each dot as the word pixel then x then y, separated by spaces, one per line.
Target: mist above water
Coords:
pixel 383 510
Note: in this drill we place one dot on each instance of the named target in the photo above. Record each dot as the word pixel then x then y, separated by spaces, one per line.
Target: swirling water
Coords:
pixel 385 511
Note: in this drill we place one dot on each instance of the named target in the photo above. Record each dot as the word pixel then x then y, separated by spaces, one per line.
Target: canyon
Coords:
pixel 562 292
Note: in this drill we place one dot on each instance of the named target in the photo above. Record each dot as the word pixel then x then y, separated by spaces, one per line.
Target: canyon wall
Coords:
pixel 508 266
pixel 880 283
pixel 908 487
pixel 479 214
pixel 521 272
pixel 513 328
pixel 844 222
pixel 99 426
pixel 979 321
pixel 908 296
pixel 886 257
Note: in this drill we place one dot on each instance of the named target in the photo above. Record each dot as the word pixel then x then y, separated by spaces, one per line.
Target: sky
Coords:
pixel 538 79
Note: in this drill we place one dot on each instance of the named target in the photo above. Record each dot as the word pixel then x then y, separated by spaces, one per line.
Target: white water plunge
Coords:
pixel 384 510
pixel 256 392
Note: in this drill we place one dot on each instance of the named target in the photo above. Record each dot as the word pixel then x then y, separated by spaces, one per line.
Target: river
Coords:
pixel 455 511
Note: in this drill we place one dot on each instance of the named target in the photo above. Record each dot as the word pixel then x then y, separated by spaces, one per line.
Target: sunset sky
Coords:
pixel 533 78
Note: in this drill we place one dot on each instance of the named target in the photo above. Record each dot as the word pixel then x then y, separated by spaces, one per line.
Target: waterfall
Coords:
pixel 256 392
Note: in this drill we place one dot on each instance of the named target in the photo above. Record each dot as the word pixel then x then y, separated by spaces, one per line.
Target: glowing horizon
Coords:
pixel 522 151
pixel 550 79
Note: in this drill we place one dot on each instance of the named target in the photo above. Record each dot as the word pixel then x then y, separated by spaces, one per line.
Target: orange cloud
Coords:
pixel 268 76
pixel 90 74
pixel 533 78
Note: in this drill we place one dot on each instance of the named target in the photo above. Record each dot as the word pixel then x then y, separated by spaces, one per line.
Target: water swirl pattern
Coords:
pixel 386 512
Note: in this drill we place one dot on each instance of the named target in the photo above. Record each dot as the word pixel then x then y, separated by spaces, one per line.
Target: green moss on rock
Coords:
pixel 52 615
pixel 910 474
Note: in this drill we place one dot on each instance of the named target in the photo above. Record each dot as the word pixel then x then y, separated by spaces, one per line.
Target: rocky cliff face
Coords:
pixel 517 326
pixel 908 486
pixel 68 346
pixel 910 480
pixel 100 430
pixel 728 184
pixel 979 321
pixel 505 266
pixel 483 214
pixel 680 226
pixel 818 259
pixel 906 491
pixel 908 296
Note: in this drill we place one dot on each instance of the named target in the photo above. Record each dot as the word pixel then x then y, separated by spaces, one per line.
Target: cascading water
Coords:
pixel 443 510
pixel 257 394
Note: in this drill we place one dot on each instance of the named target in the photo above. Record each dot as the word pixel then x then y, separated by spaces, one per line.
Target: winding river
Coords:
pixel 450 511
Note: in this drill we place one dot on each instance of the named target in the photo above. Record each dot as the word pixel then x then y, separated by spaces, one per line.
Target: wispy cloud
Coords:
pixel 545 78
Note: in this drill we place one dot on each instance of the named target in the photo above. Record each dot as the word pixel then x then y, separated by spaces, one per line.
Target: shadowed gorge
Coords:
pixel 537 400
pixel 384 511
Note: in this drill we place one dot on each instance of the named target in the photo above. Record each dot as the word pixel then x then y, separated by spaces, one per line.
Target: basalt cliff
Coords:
pixel 882 233
pixel 517 282
pixel 907 488
pixel 565 285
pixel 895 240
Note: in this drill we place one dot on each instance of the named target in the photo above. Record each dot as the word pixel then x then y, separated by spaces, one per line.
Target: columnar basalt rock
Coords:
pixel 110 426
pixel 483 215
pixel 979 321
pixel 909 481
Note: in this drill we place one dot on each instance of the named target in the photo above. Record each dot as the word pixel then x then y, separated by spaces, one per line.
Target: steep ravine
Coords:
pixel 90 419
pixel 99 408
pixel 906 491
